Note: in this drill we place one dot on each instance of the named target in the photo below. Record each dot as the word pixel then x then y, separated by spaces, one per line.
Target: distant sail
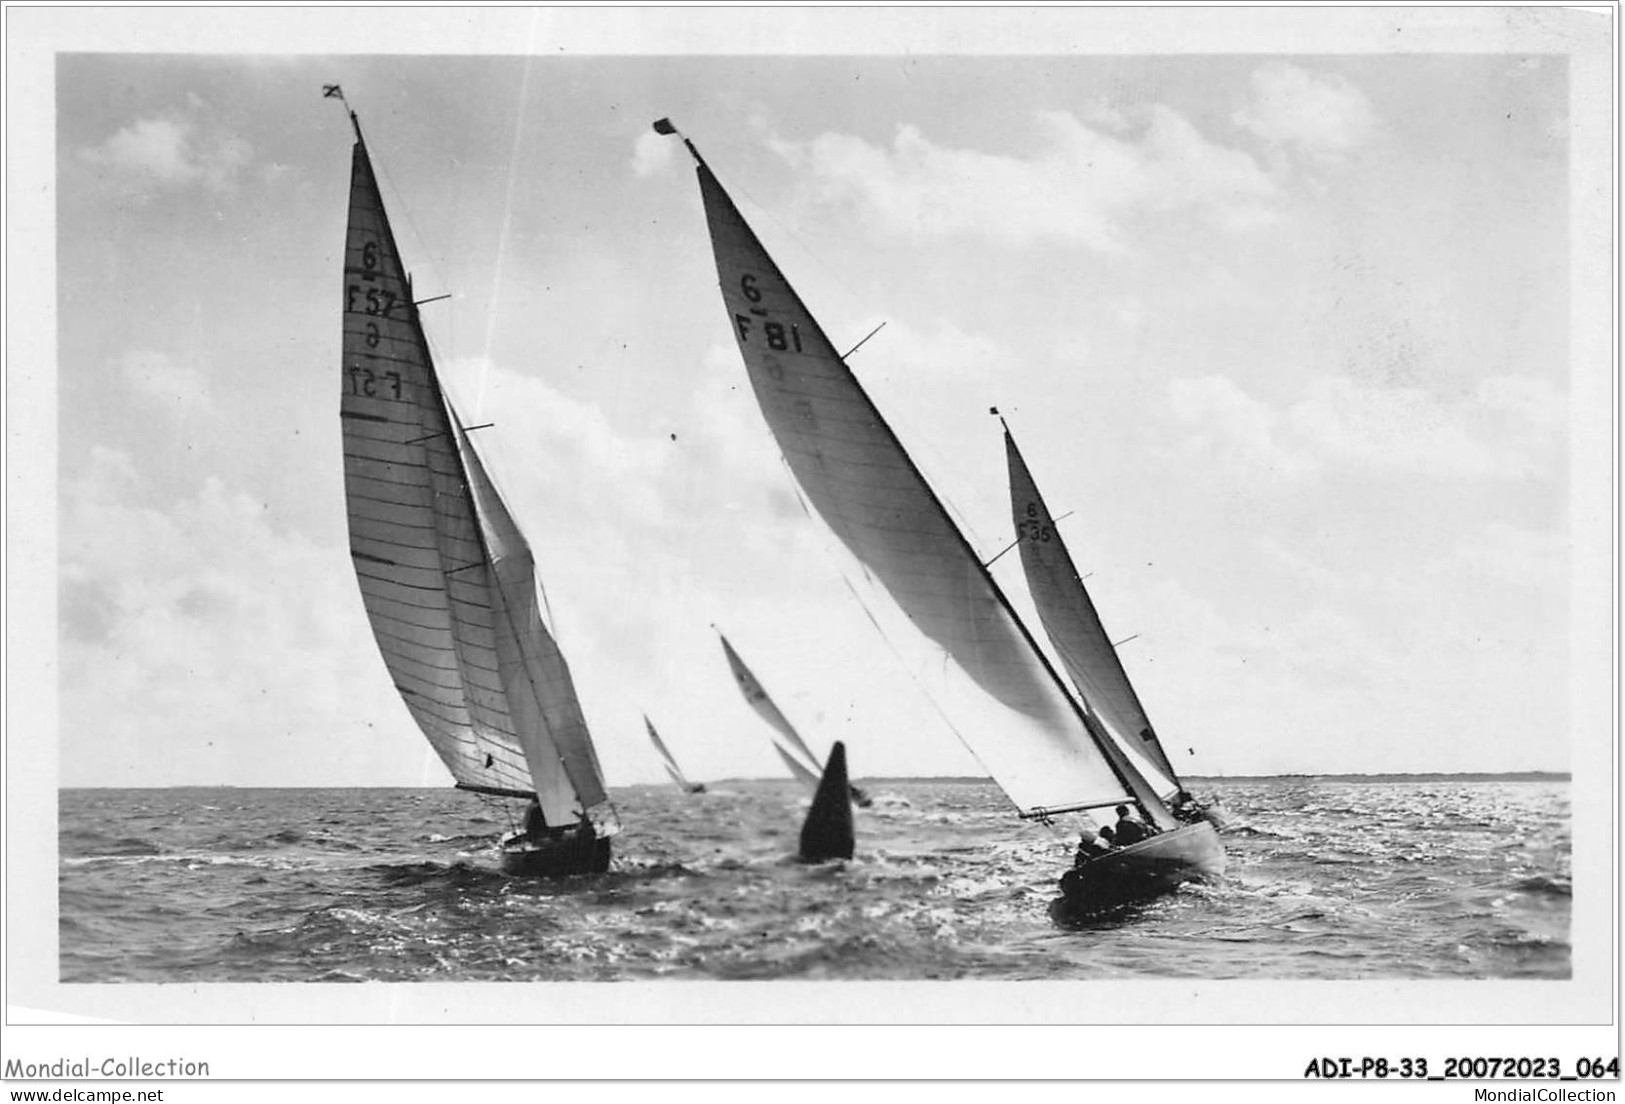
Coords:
pixel 856 474
pixel 447 579
pixel 666 759
pixel 786 740
pixel 1069 617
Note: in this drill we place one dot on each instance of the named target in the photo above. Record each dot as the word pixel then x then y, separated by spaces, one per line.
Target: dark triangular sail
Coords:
pixel 827 832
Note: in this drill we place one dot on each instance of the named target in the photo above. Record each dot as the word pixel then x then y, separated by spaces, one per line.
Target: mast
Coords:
pixel 950 596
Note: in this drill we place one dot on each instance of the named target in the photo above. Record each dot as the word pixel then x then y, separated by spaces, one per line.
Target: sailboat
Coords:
pixel 792 749
pixel 666 760
pixel 1086 650
pixel 1045 751
pixel 446 577
pixel 827 832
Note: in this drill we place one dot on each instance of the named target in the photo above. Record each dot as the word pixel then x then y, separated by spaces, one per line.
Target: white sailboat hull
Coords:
pixel 1142 871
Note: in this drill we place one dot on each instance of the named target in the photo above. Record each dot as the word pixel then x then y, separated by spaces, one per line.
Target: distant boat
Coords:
pixel 786 740
pixel 670 763
pixel 1086 650
pixel 446 576
pixel 1043 749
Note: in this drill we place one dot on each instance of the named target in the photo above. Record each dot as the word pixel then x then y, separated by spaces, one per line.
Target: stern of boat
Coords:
pixel 556 856
pixel 1144 870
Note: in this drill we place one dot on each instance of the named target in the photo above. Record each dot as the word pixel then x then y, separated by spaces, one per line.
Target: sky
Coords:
pixel 1291 334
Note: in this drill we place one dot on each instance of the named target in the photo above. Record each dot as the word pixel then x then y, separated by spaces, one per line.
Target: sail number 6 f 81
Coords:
pixel 777 335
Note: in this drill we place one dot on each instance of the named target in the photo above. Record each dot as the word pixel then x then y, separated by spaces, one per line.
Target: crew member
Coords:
pixel 1129 829
pixel 1090 846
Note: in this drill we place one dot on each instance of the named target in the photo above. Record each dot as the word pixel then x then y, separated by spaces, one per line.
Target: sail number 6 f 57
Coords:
pixel 778 336
pixel 364 381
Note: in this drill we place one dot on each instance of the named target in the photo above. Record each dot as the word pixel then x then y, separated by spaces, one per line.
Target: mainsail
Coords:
pixel 786 740
pixel 1069 617
pixel 1037 745
pixel 447 579
pixel 666 759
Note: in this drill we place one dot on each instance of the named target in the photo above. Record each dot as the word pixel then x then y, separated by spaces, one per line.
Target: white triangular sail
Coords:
pixel 447 579
pixel 851 467
pixel 1073 625
pixel 666 759
pixel 786 740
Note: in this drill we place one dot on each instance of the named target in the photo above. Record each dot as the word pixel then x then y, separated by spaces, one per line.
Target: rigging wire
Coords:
pixel 507 217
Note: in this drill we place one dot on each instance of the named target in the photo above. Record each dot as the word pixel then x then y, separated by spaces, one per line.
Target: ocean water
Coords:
pixel 1327 880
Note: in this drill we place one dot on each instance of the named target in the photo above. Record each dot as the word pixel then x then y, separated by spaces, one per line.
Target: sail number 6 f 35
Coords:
pixel 1033 528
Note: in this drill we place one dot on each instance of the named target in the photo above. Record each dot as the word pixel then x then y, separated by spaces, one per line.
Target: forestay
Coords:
pixel 857 476
pixel 446 578
pixel 1070 619
pixel 786 740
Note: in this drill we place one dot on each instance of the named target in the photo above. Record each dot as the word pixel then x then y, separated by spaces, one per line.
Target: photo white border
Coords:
pixel 1393 1017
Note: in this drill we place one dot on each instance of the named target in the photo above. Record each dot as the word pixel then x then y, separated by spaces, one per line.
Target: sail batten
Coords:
pixel 860 480
pixel 445 577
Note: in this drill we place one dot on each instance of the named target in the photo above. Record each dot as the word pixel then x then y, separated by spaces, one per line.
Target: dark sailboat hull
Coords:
pixel 1141 872
pixel 556 856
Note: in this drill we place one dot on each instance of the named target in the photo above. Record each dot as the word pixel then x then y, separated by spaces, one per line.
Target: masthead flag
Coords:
pixel 663 126
pixel 332 91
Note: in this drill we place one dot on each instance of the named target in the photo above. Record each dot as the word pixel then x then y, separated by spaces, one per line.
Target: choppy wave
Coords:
pixel 1327 880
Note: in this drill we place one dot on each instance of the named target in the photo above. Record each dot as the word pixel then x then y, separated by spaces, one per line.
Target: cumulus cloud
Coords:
pixel 203 644
pixel 1411 429
pixel 1317 113
pixel 1509 427
pixel 651 153
pixel 1129 310
pixel 1223 418
pixel 176 150
pixel 924 354
pixel 644 535
pixel 171 386
pixel 1399 427
pixel 565 451
pixel 1079 187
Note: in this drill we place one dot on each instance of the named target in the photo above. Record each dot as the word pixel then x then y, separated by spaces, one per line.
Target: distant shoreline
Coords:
pixel 1194 779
